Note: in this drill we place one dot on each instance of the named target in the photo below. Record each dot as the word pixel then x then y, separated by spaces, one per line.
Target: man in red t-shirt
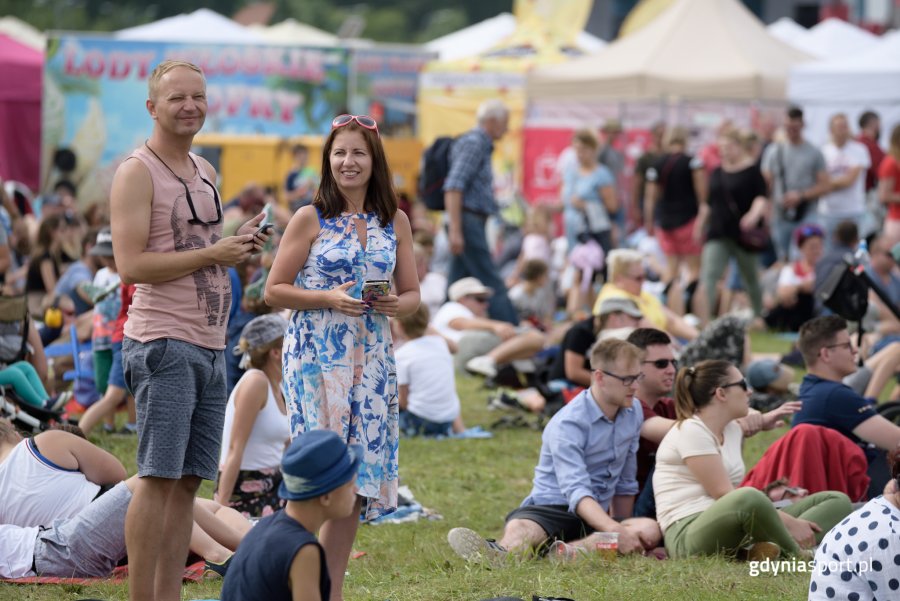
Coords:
pixel 869 131
pixel 658 368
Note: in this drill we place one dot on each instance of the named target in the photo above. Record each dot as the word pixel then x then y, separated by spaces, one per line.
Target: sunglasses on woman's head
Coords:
pixel 363 120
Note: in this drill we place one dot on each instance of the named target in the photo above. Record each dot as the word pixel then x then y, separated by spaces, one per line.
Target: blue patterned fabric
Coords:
pixel 339 371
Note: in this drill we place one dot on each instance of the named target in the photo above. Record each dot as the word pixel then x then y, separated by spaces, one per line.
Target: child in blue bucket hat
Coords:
pixel 280 558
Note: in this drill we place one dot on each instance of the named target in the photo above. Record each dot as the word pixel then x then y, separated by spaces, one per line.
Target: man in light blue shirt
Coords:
pixel 469 199
pixel 584 482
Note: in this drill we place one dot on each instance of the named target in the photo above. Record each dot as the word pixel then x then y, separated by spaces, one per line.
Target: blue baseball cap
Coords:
pixel 316 463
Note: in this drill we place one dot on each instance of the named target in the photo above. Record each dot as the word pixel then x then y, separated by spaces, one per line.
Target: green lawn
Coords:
pixel 474 483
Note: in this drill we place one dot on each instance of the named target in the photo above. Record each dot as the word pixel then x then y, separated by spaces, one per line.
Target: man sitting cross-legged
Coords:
pixel 584 482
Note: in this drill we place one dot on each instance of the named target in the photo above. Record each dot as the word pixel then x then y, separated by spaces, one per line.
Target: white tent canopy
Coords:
pixel 788 31
pixel 869 80
pixel 200 26
pixel 293 32
pixel 481 37
pixel 695 49
pixel 835 38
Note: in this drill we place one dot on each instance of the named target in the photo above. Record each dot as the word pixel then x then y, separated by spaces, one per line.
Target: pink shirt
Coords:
pixel 192 308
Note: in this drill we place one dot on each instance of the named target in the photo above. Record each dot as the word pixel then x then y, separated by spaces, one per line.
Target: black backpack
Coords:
pixel 845 293
pixel 433 171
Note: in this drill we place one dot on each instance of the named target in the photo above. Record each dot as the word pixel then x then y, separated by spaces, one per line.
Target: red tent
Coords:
pixel 21 70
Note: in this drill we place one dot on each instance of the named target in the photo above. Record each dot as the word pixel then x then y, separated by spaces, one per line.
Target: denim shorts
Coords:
pixel 116 371
pixel 179 392
pixel 90 544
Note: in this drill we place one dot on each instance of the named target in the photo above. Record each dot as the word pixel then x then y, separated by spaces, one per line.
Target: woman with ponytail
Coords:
pixel 699 465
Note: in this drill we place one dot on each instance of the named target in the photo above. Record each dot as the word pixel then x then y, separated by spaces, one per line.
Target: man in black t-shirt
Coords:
pixel 571 370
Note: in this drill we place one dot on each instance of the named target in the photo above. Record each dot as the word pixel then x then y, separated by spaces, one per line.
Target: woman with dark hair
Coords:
pixel 338 359
pixel 699 466
pixel 858 558
pixel 46 264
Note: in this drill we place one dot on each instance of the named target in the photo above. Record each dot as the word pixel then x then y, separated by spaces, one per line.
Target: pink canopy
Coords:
pixel 20 112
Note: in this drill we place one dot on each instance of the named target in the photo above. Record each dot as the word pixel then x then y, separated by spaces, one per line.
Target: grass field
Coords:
pixel 474 483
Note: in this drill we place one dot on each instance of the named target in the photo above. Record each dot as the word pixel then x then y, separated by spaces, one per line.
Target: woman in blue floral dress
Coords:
pixel 338 355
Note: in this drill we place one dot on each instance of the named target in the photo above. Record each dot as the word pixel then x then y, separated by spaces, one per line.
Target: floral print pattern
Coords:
pixel 339 371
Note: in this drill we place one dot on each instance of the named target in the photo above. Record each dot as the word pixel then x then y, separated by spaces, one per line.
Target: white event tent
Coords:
pixel 200 26
pixel 695 49
pixel 835 38
pixel 294 33
pixel 788 31
pixel 869 80
pixel 485 35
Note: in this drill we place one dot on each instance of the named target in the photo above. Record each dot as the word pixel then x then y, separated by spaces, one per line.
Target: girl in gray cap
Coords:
pixel 257 426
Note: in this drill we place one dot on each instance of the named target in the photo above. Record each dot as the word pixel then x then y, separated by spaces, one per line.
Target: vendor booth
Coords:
pixel 866 81
pixel 699 62
pixel 450 91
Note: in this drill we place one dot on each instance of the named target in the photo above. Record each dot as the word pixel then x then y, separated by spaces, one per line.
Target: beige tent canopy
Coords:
pixel 695 49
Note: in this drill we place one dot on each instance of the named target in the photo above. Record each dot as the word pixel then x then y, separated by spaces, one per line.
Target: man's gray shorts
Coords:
pixel 179 392
pixel 89 544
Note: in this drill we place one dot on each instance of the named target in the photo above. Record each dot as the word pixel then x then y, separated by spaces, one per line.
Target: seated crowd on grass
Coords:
pixel 637 349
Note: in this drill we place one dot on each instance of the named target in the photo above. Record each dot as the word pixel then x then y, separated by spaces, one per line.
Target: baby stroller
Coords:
pixel 14 324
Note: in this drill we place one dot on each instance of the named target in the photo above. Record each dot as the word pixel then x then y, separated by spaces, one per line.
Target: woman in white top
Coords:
pixel 699 467
pixel 257 426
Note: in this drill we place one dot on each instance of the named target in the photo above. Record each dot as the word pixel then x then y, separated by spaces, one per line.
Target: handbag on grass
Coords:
pixel 755 239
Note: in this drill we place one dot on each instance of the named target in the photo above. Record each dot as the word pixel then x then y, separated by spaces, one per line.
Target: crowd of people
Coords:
pixel 281 351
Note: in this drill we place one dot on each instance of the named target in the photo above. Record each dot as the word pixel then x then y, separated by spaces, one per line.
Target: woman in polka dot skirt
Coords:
pixel 859 559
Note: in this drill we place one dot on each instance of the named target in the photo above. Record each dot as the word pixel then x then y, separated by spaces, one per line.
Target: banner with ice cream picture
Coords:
pixel 95 92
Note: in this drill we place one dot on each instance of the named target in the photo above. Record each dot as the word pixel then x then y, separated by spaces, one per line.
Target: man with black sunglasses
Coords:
pixel 167 234
pixel 659 366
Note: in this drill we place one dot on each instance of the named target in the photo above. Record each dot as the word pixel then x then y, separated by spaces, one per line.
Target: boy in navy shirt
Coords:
pixel 280 559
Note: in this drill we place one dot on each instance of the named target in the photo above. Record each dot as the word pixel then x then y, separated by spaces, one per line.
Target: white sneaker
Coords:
pixel 471 546
pixel 482 365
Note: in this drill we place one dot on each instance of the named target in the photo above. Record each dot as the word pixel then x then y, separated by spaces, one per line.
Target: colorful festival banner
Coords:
pixel 95 91
pixel 384 84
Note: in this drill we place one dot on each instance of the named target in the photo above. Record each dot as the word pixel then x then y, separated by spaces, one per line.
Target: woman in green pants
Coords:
pixel 699 466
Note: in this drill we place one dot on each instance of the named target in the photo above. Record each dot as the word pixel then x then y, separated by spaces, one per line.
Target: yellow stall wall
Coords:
pixel 266 160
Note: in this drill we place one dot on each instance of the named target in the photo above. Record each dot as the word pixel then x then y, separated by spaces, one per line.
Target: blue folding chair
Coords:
pixel 72 348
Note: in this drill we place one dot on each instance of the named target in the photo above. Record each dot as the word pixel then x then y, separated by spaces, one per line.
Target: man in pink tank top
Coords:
pixel 167 234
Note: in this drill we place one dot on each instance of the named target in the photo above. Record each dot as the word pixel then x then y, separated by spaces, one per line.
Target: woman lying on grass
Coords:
pixel 699 465
pixel 54 523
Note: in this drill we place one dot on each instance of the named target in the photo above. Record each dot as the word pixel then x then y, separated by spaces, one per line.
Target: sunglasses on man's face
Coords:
pixel 363 120
pixel 663 363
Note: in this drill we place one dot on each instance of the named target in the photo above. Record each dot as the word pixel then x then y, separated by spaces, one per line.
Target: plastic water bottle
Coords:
pixel 862 252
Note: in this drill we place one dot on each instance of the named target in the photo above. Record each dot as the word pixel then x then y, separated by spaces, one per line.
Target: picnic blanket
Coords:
pixel 192 573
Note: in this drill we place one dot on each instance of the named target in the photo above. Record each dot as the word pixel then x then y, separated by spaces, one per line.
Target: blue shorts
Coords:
pixel 116 371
